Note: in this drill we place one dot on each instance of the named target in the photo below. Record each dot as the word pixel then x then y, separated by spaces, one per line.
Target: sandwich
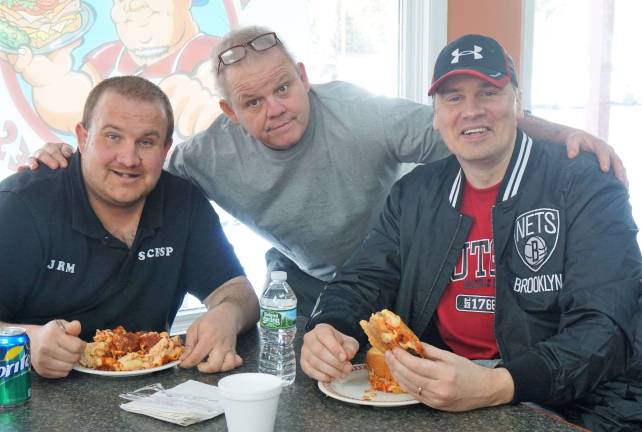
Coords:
pixel 385 331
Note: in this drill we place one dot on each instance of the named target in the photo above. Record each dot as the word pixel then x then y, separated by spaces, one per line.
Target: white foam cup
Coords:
pixel 250 401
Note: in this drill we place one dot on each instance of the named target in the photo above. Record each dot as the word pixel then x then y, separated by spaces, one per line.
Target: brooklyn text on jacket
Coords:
pixel 539 284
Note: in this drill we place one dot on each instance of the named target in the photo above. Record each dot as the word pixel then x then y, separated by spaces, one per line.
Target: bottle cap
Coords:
pixel 279 275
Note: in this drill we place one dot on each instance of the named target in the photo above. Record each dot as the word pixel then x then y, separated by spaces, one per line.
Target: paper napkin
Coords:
pixel 185 404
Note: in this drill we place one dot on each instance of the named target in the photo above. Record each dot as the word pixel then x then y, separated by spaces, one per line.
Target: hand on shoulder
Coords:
pixel 53 155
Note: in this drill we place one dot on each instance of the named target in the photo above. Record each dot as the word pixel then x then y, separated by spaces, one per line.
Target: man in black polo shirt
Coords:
pixel 115 240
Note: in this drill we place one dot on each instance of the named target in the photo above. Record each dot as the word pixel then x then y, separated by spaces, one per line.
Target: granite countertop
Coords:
pixel 83 402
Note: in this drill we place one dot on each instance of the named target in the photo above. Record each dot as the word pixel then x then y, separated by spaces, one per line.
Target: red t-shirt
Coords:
pixel 466 311
pixel 113 59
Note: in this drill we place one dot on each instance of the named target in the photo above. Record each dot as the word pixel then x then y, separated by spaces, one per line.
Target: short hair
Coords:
pixel 240 36
pixel 133 87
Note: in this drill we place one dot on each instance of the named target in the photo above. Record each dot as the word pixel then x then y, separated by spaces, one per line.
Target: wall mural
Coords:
pixel 52 52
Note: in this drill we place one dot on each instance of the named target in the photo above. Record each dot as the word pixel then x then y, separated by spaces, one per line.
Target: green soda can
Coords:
pixel 15 368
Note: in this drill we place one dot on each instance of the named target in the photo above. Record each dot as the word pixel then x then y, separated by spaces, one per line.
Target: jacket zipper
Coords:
pixel 441 267
pixel 492 233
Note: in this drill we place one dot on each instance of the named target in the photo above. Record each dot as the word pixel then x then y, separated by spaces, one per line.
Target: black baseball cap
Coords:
pixel 476 55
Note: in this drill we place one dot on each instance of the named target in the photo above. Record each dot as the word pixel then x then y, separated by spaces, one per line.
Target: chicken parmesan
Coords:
pixel 385 331
pixel 120 350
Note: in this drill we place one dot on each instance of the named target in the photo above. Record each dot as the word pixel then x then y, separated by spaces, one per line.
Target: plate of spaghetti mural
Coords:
pixel 42 25
pixel 356 389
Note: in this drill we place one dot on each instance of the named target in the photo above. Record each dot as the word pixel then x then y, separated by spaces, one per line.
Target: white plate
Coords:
pixel 119 374
pixel 355 388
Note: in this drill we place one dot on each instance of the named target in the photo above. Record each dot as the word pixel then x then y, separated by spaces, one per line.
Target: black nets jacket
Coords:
pixel 567 268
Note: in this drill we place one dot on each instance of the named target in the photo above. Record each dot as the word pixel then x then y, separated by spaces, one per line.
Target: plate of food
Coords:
pixel 43 25
pixel 128 373
pixel 119 353
pixel 356 389
pixel 372 383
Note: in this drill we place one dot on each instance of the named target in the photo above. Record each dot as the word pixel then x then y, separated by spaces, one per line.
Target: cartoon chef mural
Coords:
pixel 53 52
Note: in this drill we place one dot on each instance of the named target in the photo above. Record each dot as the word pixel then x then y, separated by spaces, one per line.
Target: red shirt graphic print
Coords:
pixel 466 311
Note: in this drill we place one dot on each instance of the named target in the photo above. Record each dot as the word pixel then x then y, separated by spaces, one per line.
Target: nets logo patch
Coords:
pixel 536 234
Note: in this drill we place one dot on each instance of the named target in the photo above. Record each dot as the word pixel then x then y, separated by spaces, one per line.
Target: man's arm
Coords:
pixel 58 91
pixel 210 261
pixel 239 295
pixel 575 140
pixel 232 309
pixel 55 346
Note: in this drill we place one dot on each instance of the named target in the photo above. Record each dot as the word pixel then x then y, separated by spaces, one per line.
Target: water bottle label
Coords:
pixel 278 319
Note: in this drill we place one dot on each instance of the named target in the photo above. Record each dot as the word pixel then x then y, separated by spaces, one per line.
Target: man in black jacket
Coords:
pixel 505 254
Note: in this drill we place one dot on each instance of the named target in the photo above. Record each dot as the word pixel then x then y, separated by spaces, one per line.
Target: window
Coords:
pixel 351 40
pixel 585 73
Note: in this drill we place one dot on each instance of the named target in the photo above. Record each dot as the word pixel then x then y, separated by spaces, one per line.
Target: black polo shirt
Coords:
pixel 58 261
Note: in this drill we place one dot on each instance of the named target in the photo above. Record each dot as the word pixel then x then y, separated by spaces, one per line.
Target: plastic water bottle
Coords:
pixel 278 327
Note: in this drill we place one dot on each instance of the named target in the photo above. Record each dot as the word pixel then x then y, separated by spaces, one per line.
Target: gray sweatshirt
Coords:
pixel 315 201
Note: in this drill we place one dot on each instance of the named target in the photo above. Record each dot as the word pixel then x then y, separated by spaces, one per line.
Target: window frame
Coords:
pixel 423 33
pixel 526 58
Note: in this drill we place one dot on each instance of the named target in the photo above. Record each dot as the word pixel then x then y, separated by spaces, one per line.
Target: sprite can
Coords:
pixel 15 368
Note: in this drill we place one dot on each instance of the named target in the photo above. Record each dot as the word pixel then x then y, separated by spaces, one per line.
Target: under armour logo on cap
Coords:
pixel 475 55
pixel 475 52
